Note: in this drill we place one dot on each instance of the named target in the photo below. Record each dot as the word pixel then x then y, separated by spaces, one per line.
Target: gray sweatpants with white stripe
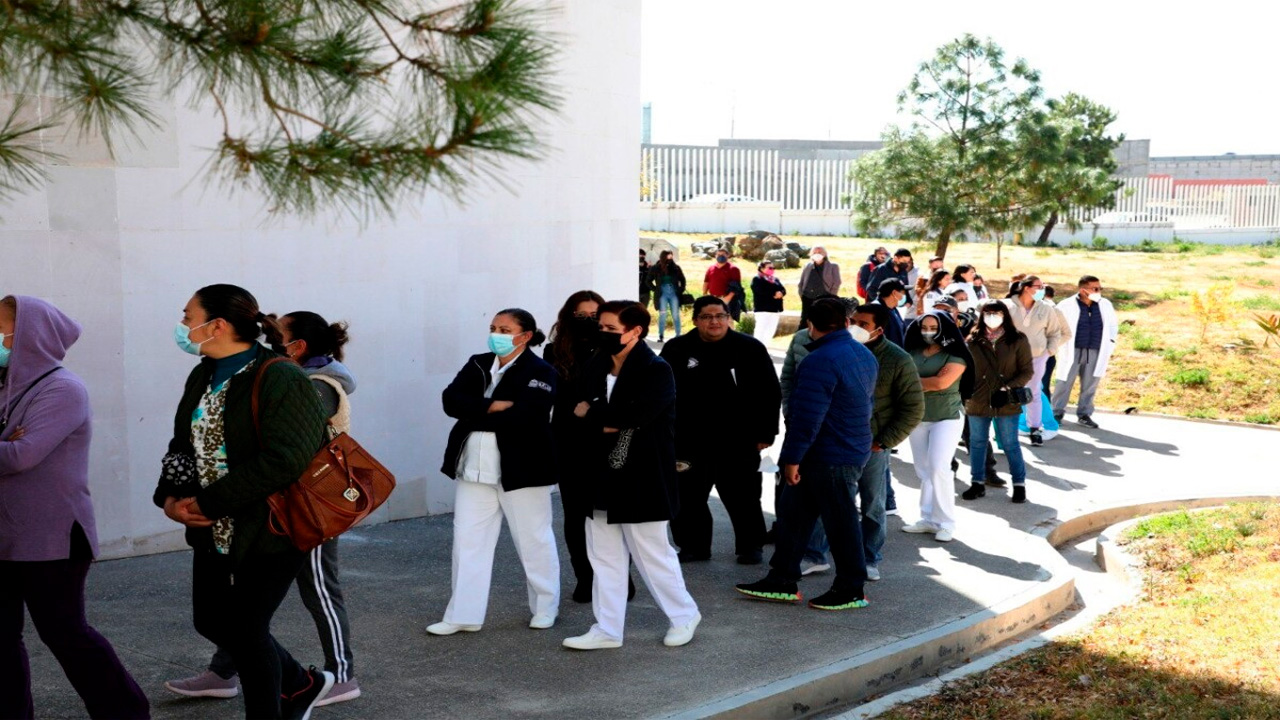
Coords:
pixel 322 595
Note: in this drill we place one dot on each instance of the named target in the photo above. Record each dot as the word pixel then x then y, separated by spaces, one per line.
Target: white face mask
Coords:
pixel 818 257
pixel 1095 297
pixel 930 336
pixel 860 334
pixel 993 321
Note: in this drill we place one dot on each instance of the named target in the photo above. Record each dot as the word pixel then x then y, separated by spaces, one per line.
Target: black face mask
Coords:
pixel 611 342
pixel 585 328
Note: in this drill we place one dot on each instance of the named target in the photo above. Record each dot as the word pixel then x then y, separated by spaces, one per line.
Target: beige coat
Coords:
pixel 1046 329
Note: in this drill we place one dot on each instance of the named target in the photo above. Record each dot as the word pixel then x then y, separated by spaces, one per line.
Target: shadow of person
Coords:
pixel 1116 439
pixel 1068 452
pixel 984 561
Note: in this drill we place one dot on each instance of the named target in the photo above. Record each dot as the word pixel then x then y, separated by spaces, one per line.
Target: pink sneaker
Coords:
pixel 341 692
pixel 207 684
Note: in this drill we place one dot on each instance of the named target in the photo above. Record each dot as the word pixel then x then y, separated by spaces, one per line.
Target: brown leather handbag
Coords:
pixel 340 487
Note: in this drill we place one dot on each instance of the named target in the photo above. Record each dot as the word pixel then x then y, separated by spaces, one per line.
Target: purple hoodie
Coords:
pixel 44 476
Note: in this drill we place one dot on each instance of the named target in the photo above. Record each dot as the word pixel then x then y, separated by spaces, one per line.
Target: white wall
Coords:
pixel 120 244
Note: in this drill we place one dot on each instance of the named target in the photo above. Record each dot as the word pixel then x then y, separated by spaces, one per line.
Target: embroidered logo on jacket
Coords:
pixel 693 363
pixel 540 385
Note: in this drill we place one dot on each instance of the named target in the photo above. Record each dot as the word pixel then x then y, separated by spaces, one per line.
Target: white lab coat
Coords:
pixel 1070 310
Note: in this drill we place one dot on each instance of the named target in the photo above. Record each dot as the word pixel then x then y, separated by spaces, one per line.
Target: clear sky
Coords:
pixel 1194 78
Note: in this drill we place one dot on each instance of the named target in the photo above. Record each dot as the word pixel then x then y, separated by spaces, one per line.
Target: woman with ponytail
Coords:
pixel 501 452
pixel 222 465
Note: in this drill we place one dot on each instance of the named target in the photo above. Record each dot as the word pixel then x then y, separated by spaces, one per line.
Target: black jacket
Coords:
pixel 569 430
pixel 677 279
pixel 644 488
pixel 729 394
pixel 762 290
pixel 293 430
pixel 523 430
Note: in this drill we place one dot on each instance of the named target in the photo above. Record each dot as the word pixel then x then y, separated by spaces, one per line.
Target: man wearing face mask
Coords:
pixel 722 278
pixel 819 279
pixel 891 293
pixel 1096 328
pixel 729 408
pixel 898 267
pixel 874 260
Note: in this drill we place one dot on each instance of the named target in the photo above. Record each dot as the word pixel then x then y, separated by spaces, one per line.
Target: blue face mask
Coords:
pixel 1039 295
pixel 501 345
pixel 4 352
pixel 182 337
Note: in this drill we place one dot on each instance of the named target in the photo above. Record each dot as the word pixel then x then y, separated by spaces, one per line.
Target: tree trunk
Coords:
pixel 944 239
pixel 999 238
pixel 1048 228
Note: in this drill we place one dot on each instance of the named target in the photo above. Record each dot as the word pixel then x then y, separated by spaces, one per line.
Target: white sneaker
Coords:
pixel 919 528
pixel 811 568
pixel 893 511
pixel 873 573
pixel 542 622
pixel 448 628
pixel 944 536
pixel 681 635
pixel 593 640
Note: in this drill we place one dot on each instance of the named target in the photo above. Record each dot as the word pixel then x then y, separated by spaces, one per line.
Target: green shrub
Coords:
pixel 1127 328
pixel 1203 414
pixel 747 325
pixel 1261 302
pixel 1256 263
pixel 1191 377
pixel 1077 245
pixel 1160 525
pixel 1101 243
pixel 1142 342
pixel 1177 355
pixel 1182 246
pixel 1261 419
pixel 1265 283
pixel 1173 294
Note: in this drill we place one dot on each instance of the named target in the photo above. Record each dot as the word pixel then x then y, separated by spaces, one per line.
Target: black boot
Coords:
pixel 1019 493
pixel 975 491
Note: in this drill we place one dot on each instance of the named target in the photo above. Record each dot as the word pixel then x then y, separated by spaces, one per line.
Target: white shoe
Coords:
pixel 448 628
pixel 919 528
pixel 944 536
pixel 681 635
pixel 593 640
pixel 873 573
pixel 542 622
pixel 891 512
pixel 811 568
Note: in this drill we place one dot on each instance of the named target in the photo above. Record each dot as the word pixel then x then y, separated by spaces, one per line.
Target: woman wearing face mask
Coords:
pixel 502 401
pixel 316 345
pixel 630 402
pixel 1001 361
pixel 941 358
pixel 1046 330
pixel 979 289
pixel 574 342
pixel 48 535
pixel 934 290
pixel 669 285
pixel 222 465
pixel 767 292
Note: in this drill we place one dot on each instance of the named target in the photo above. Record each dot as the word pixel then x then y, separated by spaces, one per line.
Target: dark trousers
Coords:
pixel 990 456
pixel 736 476
pixel 824 491
pixel 1047 383
pixel 53 593
pixel 234 610
pixel 575 498
pixel 321 594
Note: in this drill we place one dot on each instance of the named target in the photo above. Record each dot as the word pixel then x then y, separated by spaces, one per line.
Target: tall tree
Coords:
pixel 350 103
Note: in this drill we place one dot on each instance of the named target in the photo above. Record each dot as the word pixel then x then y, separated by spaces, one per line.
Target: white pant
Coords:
pixel 766 326
pixel 1035 410
pixel 477 519
pixel 933 444
pixel 612 549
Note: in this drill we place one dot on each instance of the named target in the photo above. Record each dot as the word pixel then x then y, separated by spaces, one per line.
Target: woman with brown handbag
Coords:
pixel 217 476
pixel 317 346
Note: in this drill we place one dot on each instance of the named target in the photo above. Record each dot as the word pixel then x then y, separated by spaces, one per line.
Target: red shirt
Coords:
pixel 718 279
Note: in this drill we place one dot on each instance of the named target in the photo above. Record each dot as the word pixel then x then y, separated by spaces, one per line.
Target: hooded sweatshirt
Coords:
pixel 328 367
pixel 44 475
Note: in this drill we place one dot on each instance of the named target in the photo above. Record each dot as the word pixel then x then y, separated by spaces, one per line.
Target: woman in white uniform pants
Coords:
pixel 631 398
pixel 1047 331
pixel 502 401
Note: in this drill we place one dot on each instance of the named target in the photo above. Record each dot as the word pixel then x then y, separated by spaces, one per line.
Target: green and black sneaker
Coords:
pixel 771 591
pixel 839 600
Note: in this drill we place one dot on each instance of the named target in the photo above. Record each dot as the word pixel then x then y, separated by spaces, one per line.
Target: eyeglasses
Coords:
pixel 718 316
pixel 585 316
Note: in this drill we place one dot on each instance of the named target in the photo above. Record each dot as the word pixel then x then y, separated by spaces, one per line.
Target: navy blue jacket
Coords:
pixel 829 410
pixel 1089 326
pixel 896 333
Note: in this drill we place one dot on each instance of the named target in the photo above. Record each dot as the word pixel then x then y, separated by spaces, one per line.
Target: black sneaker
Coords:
pixel 631 589
pixel 1019 494
pixel 755 557
pixel 1036 438
pixel 975 491
pixel 771 591
pixel 1087 421
pixel 1058 417
pixel 839 600
pixel 688 557
pixel 955 466
pixel 582 592
pixel 299 705
pixel 994 480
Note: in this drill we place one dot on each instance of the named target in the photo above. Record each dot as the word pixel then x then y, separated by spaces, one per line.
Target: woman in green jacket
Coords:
pixel 222 465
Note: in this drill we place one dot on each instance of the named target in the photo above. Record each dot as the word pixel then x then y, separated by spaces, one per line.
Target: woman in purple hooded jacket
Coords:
pixel 47 532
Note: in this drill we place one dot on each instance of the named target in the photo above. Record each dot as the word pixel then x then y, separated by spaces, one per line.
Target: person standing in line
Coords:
pixel 48 534
pixel 827 445
pixel 1047 382
pixel 1096 329
pixel 316 345
pixel 224 461
pixel 1001 361
pixel 979 290
pixel 727 384
pixel 819 279
pixel 502 402
pixel 1046 330
pixel 934 290
pixel 899 268
pixel 721 279
pixel 939 353
pixel 767 292
pixel 574 343
pixel 646 282
pixel 962 278
pixel 891 293
pixel 669 284
pixel 629 399
pixel 951 303
pixel 874 260
pixel 899 406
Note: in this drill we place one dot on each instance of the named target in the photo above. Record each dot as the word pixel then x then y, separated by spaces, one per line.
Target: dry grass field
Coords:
pixel 1201 357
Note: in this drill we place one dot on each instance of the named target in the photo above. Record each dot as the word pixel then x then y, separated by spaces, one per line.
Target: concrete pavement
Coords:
pixel 936 604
